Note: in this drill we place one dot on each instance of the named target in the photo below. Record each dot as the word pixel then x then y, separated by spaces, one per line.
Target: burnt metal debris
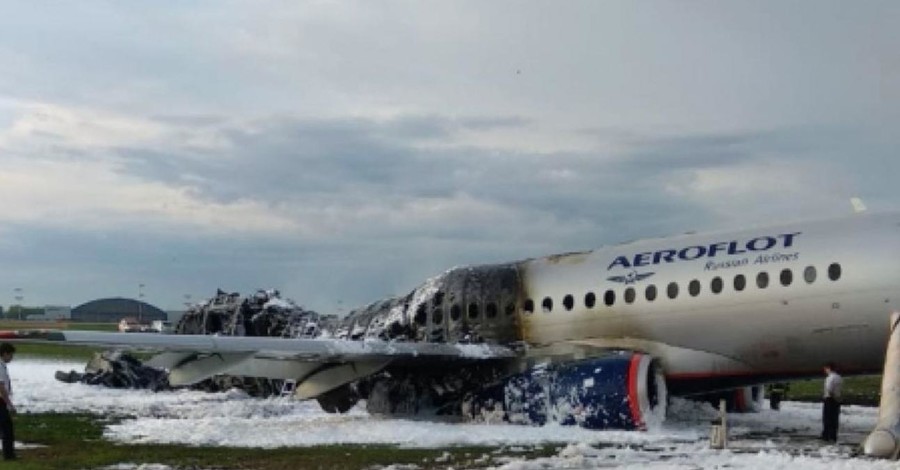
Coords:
pixel 263 313
pixel 472 304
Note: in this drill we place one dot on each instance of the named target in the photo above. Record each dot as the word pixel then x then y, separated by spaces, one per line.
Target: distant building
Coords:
pixel 112 310
pixel 52 312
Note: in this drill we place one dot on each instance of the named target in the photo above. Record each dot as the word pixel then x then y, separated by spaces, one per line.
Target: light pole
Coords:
pixel 20 297
pixel 140 303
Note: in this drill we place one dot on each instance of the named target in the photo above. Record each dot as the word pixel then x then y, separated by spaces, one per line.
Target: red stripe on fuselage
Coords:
pixel 634 403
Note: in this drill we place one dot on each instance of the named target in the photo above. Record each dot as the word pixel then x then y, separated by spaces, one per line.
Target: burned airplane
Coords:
pixel 597 338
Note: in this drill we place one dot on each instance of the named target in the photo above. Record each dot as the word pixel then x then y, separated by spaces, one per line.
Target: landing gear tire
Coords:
pixel 339 400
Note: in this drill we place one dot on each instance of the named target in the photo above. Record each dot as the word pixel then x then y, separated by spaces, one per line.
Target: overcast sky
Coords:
pixel 345 151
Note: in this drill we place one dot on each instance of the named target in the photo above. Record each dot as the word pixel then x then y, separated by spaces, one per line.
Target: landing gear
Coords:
pixel 339 400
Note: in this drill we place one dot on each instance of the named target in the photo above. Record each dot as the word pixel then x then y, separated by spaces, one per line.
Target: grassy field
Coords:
pixel 51 350
pixel 860 390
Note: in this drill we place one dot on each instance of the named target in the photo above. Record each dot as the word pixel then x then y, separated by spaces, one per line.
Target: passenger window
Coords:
pixel 455 312
pixel 510 309
pixel 809 274
pixel 716 285
pixel 473 311
pixel 629 295
pixel 787 277
pixel 740 282
pixel 590 300
pixel 609 298
pixel 762 280
pixel 529 306
pixel 437 316
pixel 672 290
pixel 650 293
pixel 834 271
pixel 421 316
pixel 568 302
pixel 694 288
pixel 491 310
pixel 547 305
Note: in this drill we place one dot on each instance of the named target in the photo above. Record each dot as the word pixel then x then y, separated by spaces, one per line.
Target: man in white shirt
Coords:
pixel 831 403
pixel 7 409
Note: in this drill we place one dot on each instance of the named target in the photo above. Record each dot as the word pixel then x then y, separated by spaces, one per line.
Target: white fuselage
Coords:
pixel 785 329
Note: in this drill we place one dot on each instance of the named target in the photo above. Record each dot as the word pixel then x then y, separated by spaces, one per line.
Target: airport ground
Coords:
pixel 67 441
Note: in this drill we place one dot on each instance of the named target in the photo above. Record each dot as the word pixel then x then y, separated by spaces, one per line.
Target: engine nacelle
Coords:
pixel 621 391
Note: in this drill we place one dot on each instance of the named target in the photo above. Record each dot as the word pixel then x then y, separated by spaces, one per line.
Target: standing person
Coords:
pixel 7 409
pixel 777 393
pixel 831 403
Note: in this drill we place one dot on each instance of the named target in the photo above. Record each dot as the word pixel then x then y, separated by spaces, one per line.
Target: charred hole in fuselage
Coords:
pixel 455 312
pixel 437 316
pixel 490 311
pixel 473 311
pixel 421 317
pixel 438 299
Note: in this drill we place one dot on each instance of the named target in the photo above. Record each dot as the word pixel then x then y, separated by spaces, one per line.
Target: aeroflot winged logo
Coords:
pixel 690 253
pixel 631 278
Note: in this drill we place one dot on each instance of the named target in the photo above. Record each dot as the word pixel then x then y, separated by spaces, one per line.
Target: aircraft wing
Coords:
pixel 318 365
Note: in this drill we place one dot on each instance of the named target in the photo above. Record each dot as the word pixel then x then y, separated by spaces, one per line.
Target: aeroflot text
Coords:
pixel 734 247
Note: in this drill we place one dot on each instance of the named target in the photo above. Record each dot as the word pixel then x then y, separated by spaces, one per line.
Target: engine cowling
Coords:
pixel 620 391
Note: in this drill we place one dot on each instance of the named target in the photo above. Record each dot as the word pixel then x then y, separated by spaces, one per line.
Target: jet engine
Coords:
pixel 621 391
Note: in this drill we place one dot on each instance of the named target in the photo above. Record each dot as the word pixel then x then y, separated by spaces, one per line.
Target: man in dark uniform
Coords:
pixel 777 393
pixel 7 409
pixel 831 403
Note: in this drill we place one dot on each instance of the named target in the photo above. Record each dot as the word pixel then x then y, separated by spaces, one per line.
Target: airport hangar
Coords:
pixel 111 310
